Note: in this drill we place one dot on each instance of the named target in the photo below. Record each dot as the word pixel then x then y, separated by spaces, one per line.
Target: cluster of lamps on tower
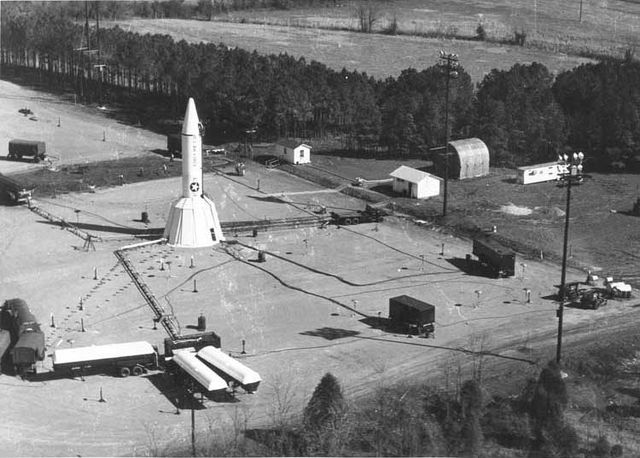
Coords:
pixel 572 165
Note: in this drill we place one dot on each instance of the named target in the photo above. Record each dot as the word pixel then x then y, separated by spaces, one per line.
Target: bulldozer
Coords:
pixel 591 298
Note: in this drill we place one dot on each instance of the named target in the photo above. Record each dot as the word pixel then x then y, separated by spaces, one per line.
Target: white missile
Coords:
pixel 191 153
pixel 193 220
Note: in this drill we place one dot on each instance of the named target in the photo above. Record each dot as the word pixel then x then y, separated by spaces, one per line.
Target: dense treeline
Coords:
pixel 523 114
pixel 459 418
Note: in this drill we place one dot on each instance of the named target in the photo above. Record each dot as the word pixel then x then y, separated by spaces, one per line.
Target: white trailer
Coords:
pixel 189 362
pixel 232 368
pixel 125 358
pixel 540 172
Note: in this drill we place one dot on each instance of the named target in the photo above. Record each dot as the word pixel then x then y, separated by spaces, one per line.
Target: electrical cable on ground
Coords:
pixel 338 277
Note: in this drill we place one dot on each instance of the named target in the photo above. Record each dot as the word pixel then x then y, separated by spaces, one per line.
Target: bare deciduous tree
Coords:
pixel 368 13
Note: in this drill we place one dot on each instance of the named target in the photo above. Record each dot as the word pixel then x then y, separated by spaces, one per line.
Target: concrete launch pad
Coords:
pixel 317 304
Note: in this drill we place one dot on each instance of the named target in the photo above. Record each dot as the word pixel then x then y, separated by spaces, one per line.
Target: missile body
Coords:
pixel 191 153
pixel 193 220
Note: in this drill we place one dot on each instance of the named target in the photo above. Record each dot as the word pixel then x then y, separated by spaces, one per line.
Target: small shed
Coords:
pixel 293 151
pixel 468 158
pixel 415 183
pixel 539 172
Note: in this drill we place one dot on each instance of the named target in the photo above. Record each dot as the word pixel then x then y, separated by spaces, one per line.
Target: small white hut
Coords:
pixel 293 151
pixel 415 183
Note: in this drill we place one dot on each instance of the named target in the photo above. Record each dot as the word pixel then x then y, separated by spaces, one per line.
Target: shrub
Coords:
pixel 392 28
pixel 616 450
pixel 549 400
pixel 481 33
pixel 503 423
pixel 602 448
pixel 520 37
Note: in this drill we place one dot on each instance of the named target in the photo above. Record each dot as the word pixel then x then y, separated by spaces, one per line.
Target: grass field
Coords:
pixel 377 55
pixel 607 26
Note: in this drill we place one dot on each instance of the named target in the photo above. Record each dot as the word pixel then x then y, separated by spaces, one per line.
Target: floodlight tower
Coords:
pixel 449 64
pixel 570 171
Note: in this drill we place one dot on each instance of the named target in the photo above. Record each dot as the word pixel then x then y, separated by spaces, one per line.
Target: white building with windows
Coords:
pixel 540 172
pixel 293 151
pixel 415 183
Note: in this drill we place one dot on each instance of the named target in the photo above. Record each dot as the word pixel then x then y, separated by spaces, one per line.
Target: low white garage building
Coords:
pixel 293 151
pixel 415 183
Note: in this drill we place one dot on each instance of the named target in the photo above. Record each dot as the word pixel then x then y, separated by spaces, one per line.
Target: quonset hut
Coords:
pixel 468 158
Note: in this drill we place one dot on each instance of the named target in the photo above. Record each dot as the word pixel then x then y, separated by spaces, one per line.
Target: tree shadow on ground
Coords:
pixel 472 267
pixel 330 333
pixel 635 392
pixel 272 199
pixel 164 152
pixel 628 213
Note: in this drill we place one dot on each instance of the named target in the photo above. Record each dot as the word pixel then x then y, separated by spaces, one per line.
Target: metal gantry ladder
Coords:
pixel 88 238
pixel 168 321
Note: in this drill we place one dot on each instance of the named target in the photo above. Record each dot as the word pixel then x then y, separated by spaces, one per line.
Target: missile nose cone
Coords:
pixel 191 121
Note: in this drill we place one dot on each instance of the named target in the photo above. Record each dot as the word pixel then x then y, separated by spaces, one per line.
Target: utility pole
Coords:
pixel 580 10
pixel 449 64
pixel 571 171
pixel 191 393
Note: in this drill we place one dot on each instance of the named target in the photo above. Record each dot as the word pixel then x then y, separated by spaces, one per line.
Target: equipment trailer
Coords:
pixel 20 148
pixel 500 259
pixel 409 312
pixel 124 359
pixel 349 217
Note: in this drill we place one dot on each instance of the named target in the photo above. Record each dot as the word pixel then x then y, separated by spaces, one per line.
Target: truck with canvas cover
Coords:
pixel 5 343
pixel 413 313
pixel 27 148
pixel 28 350
pixel 14 191
pixel 500 259
pixel 122 358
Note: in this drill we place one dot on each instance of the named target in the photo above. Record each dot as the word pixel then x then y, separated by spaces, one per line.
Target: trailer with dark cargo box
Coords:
pixel 123 359
pixel 500 259
pixel 27 148
pixel 412 313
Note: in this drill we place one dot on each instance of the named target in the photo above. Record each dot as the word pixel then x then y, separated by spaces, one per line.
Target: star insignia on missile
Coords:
pixel 194 187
